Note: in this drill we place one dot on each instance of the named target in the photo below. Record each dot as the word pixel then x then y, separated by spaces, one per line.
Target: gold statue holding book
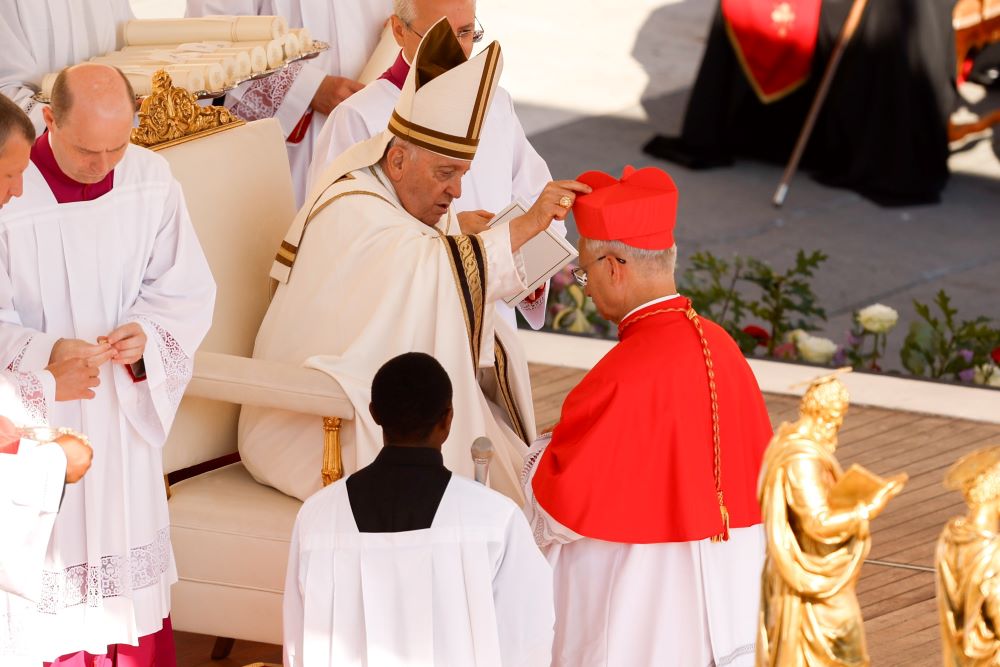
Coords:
pixel 816 519
pixel 968 565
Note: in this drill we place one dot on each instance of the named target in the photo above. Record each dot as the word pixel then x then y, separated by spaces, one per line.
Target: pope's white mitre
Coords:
pixel 442 107
pixel 445 97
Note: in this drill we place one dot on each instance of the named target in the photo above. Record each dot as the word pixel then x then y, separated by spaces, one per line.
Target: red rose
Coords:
pixel 786 351
pixel 759 334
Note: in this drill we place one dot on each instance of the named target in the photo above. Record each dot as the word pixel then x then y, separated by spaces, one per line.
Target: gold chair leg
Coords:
pixel 333 463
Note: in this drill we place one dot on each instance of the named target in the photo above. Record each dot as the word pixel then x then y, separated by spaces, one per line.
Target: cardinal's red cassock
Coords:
pixel 651 521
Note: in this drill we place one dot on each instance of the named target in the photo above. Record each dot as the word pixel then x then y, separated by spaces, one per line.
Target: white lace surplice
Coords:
pixel 79 270
pixel 620 605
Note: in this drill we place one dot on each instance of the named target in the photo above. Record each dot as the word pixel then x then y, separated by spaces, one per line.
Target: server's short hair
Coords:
pixel 61 98
pixel 13 121
pixel 411 394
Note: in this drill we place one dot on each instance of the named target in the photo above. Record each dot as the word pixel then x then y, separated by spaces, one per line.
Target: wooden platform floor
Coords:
pixel 897 593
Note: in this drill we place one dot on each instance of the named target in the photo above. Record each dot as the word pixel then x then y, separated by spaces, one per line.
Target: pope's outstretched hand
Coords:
pixel 554 203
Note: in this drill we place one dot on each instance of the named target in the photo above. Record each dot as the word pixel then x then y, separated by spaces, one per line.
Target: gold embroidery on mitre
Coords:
pixel 171 116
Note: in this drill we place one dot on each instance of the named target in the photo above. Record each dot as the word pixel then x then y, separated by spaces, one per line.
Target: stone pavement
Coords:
pixel 594 80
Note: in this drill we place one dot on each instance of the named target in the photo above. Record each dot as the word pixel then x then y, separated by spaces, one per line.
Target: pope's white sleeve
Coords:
pixel 505 269
pixel 293 606
pixel 31 487
pixel 523 595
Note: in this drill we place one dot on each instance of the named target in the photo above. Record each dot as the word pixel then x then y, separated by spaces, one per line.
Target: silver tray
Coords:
pixel 317 48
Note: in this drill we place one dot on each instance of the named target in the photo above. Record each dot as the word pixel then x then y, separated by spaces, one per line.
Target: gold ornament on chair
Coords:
pixel 968 564
pixel 816 520
pixel 172 115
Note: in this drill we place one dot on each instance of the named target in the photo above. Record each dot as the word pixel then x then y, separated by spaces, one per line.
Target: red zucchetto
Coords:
pixel 640 209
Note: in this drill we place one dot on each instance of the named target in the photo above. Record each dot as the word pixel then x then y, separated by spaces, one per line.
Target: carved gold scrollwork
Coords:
pixel 172 115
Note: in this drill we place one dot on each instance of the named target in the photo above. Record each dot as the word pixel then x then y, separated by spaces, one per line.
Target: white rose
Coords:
pixel 988 375
pixel 795 335
pixel 815 349
pixel 877 318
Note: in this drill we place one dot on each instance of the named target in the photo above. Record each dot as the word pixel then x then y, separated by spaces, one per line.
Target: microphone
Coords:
pixel 482 453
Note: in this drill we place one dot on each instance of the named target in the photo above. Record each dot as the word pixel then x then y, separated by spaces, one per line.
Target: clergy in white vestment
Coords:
pixel 39 37
pixel 376 264
pixel 404 563
pixel 506 168
pixel 645 496
pixel 99 256
pixel 301 96
pixel 32 479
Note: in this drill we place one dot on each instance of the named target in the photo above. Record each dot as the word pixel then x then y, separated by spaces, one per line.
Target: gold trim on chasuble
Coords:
pixel 288 252
pixel 468 265
pixel 507 392
pixel 467 257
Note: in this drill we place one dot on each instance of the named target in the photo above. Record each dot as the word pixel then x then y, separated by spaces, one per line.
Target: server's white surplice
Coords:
pixel 470 591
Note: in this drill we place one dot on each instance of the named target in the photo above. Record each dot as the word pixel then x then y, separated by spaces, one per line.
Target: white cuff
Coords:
pixel 37 353
pixel 48 382
pixel 534 312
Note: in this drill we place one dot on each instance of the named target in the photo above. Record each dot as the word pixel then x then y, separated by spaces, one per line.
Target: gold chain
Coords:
pixel 713 393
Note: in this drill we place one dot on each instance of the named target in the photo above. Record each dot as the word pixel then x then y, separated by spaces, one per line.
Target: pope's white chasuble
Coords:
pixel 363 282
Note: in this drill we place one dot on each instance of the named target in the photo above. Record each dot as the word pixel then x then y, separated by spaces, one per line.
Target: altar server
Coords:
pixel 404 563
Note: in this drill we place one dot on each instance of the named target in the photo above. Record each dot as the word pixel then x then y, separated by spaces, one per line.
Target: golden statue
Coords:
pixel 968 564
pixel 816 525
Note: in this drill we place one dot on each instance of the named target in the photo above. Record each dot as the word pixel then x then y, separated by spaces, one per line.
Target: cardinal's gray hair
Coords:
pixel 655 260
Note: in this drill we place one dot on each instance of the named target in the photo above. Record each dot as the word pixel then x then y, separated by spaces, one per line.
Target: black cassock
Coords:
pixel 883 131
pixel 400 491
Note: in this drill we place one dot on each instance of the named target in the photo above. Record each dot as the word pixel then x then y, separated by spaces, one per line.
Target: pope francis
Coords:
pixel 376 264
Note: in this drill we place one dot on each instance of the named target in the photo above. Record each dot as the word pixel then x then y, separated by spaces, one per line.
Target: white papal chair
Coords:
pixel 230 534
